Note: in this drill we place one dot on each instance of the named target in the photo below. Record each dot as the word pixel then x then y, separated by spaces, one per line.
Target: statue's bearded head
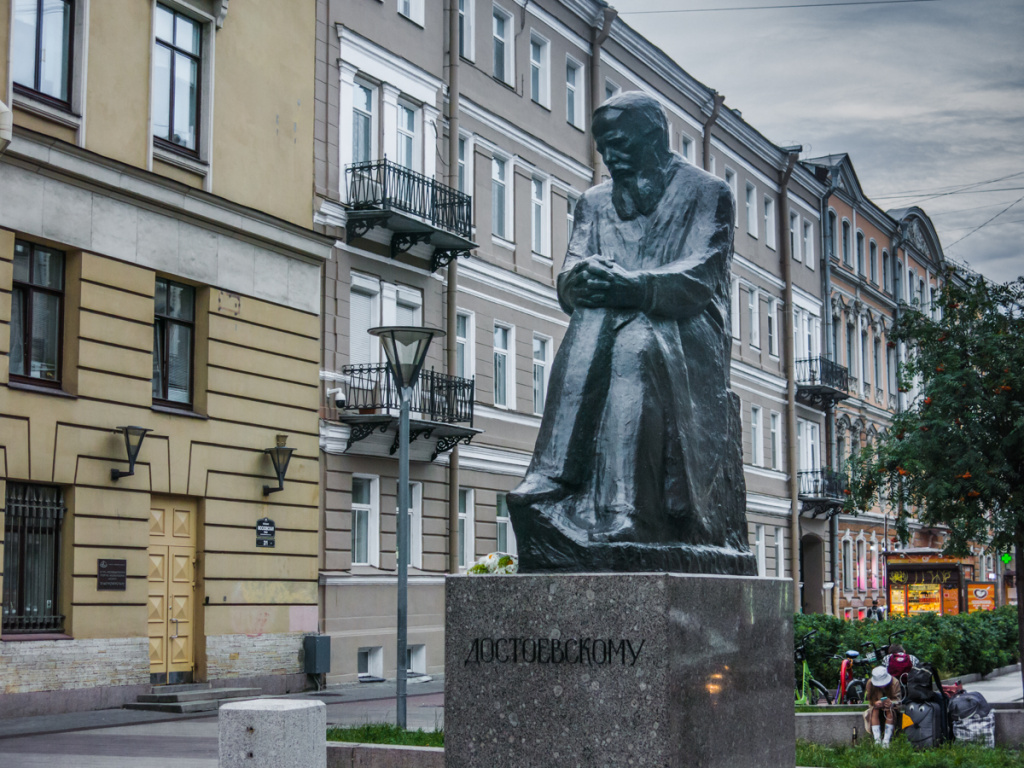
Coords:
pixel 632 136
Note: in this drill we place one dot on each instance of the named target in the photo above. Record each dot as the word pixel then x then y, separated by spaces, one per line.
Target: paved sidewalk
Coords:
pixel 1005 688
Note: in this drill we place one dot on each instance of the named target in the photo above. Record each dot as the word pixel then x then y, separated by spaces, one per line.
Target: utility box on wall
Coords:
pixel 316 651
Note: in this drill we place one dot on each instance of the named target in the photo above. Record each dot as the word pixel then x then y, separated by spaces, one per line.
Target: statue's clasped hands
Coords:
pixel 598 282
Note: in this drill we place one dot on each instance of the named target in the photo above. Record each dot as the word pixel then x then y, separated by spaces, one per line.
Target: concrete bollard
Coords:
pixel 273 733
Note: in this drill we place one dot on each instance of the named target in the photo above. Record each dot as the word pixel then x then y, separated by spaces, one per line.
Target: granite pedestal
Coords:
pixel 618 669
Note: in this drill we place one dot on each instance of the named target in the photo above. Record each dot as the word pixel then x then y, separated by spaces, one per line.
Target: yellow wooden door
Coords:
pixel 172 552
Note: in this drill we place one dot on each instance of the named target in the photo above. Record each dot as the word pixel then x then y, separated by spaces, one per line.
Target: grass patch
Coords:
pixel 838 708
pixel 902 755
pixel 386 733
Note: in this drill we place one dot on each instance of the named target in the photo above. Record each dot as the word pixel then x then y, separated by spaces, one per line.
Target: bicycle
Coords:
pixel 808 690
pixel 851 682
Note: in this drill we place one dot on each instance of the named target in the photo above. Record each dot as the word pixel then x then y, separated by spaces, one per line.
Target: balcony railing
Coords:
pixel 436 397
pixel 386 185
pixel 822 484
pixel 822 372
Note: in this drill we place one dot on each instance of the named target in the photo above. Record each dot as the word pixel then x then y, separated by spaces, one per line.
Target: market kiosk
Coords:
pixel 925 581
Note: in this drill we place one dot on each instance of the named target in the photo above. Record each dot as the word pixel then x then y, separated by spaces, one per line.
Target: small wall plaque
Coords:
pixel 265 532
pixel 112 575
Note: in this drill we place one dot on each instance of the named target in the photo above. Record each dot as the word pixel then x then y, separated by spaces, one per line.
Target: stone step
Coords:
pixel 182 687
pixel 165 697
pixel 185 707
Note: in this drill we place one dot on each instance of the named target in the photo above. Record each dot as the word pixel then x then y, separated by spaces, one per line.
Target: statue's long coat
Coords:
pixel 640 419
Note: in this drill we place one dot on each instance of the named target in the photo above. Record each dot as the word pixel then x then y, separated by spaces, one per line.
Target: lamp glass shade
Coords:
pixel 280 455
pixel 133 441
pixel 406 350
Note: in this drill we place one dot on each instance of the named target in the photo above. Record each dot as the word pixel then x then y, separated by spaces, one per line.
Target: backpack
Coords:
pixel 919 684
pixel 899 665
pixel 968 704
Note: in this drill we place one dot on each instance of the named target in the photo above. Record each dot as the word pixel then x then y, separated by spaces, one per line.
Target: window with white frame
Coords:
pixel 364 314
pixel 503 67
pixel 808 435
pixel 504 383
pixel 467 540
pixel 773 327
pixel 365 520
pixel 886 272
pixel 574 92
pixel 735 309
pixel 873 261
pixel 687 148
pixel 751 210
pixel 891 369
pixel 370 662
pixel 794 235
pixel 860 253
pixel 875 565
pixel 416 659
pixel 775 436
pixel 759 550
pixel 847 565
pixel 806 333
pixel 462 164
pixel 412 10
pixel 466 26
pixel 877 355
pixel 733 181
pixel 865 370
pixel 408 306
pixel 611 88
pixel 176 79
pixel 364 123
pixel 539 218
pixel 769 222
pixel 464 345
pixel 754 317
pixel 780 552
pixel 540 69
pixel 711 165
pixel 499 197
pixel 809 244
pixel 756 437
pixel 415 558
pixel 862 566
pixel 541 369
pixel 506 536
pixel 847 257
pixel 407 143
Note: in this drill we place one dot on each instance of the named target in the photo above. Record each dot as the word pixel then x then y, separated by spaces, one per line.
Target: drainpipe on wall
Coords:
pixel 597 38
pixel 719 100
pixel 782 228
pixel 453 274
pixel 6 126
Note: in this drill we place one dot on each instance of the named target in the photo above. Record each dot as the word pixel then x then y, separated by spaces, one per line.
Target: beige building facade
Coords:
pixel 157 270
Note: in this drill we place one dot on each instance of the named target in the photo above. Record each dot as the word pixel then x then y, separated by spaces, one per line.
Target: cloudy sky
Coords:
pixel 926 96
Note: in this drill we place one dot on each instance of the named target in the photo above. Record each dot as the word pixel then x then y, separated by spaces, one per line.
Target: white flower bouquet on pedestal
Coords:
pixel 496 562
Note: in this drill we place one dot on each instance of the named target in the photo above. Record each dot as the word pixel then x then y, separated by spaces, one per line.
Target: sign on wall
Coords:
pixel 112 575
pixel 265 532
pixel 981 596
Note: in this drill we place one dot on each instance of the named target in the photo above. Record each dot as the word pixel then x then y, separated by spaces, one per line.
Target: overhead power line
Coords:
pixel 946 187
pixel 775 7
pixel 986 223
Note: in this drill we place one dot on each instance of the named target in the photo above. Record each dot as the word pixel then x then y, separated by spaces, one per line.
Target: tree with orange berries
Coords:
pixel 955 455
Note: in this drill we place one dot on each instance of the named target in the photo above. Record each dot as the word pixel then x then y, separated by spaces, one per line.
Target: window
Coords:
pixel 370 662
pixel 502 31
pixel 173 342
pixel 462 164
pixel 862 566
pixel 775 422
pixel 865 372
pixel 37 313
pixel 464 355
pixel 860 253
pixel 809 244
pixel 873 262
pixel 890 365
pixel 506 536
pixel 415 558
pixel 733 182
pixel 759 550
pixel 412 10
pixel 899 280
pixel 833 233
pixel 886 273
pixel 541 352
pixel 846 243
pixel 467 541
pixel 794 236
pixel 574 92
pixel 847 565
pixel 875 566
pixel 687 148
pixel 877 353
pixel 754 316
pixel 849 349
pixel 756 441
pixel 499 198
pixel 31 559
pixel 540 80
pixel 406 155
pixel 503 381
pixel 611 89
pixel 466 29
pixel 920 293
pixel 735 310
pixel 177 57
pixel 773 331
pixel 408 306
pixel 364 124
pixel 41 45
pixel 780 552
pixel 807 436
pixel 769 222
pixel 538 218
pixel 416 659
pixel 365 521
pixel 751 209
pixel 364 314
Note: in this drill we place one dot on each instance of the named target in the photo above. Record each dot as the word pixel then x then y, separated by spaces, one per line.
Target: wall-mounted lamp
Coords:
pixel 280 455
pixel 133 437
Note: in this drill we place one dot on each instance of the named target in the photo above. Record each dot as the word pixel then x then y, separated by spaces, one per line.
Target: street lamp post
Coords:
pixel 406 349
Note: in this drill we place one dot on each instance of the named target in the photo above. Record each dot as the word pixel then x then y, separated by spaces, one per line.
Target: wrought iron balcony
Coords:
pixel 415 208
pixel 441 409
pixel 822 491
pixel 820 382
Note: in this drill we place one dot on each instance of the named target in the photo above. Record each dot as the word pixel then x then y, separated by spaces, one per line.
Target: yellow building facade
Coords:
pixel 157 270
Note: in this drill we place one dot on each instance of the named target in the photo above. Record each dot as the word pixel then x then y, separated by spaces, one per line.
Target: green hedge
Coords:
pixel 956 645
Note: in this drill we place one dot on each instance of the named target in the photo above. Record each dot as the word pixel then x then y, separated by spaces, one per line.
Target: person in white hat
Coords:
pixel 882 695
